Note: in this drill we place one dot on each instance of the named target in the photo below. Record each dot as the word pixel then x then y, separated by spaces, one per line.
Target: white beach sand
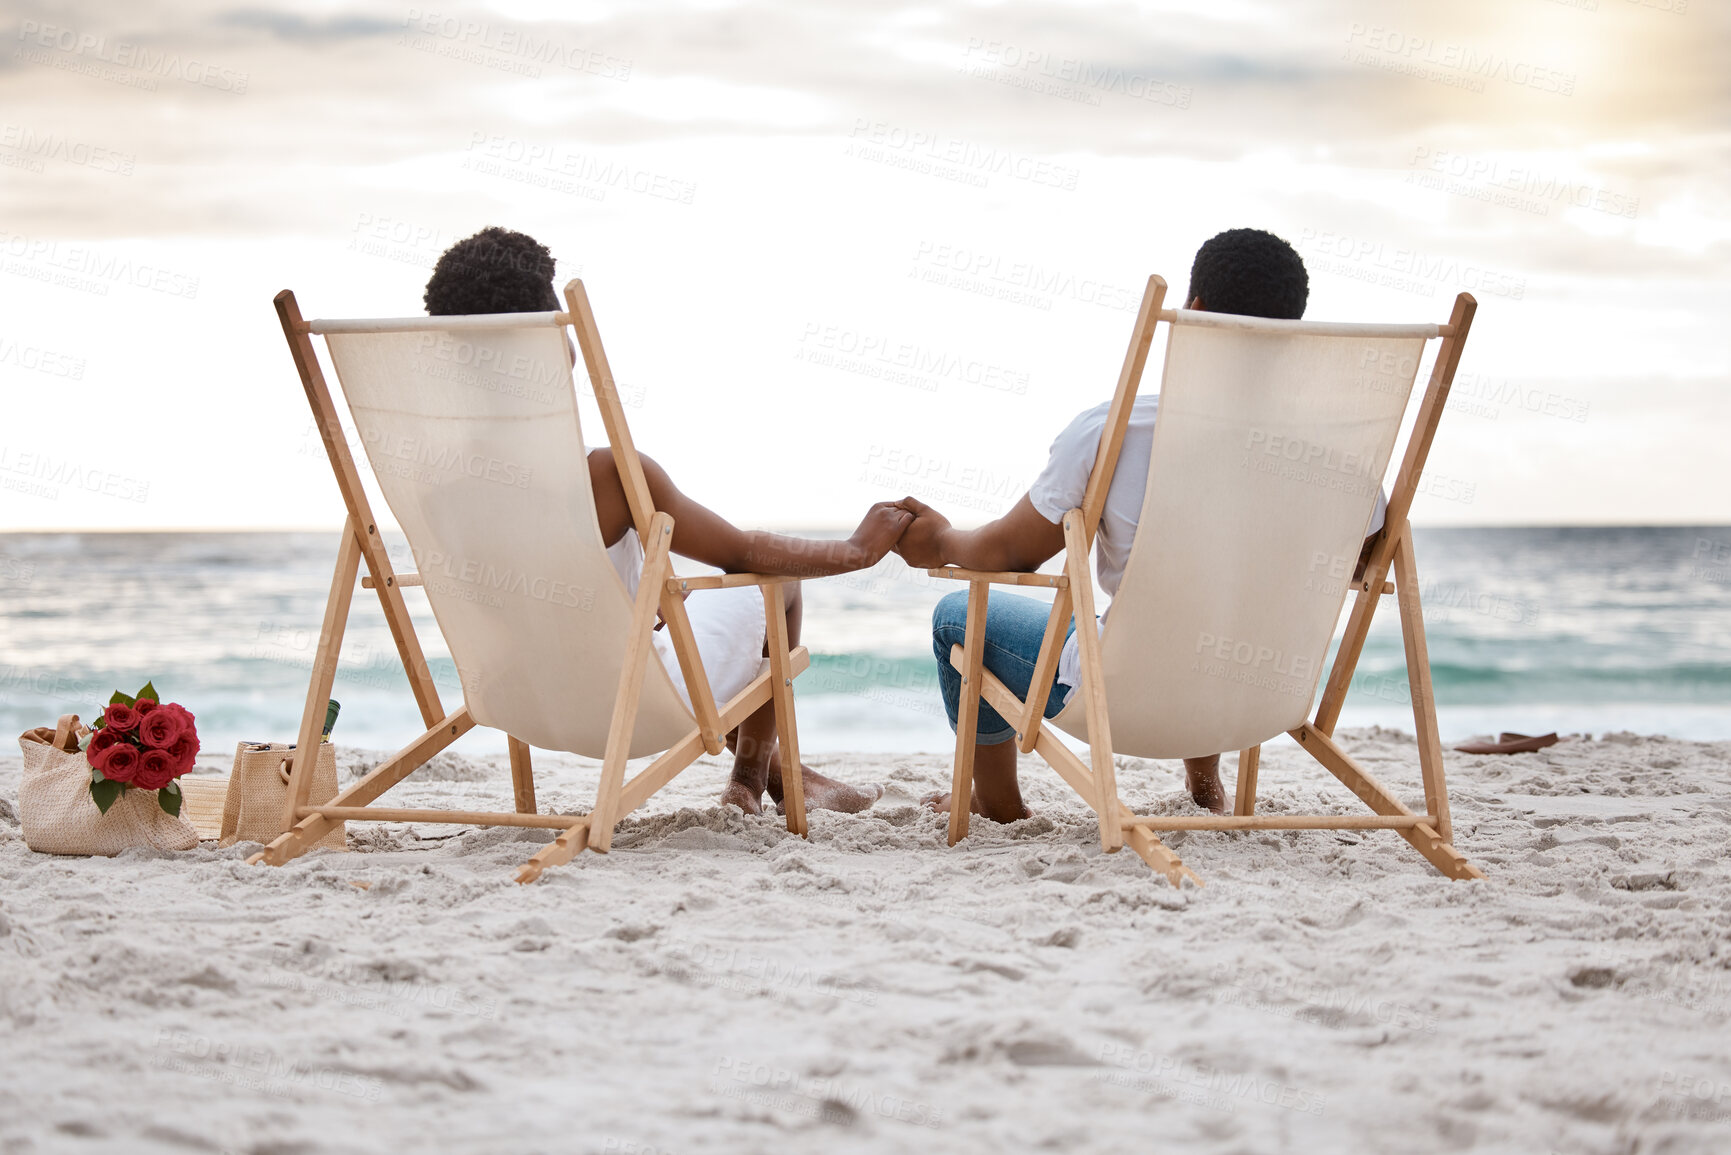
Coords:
pixel 717 985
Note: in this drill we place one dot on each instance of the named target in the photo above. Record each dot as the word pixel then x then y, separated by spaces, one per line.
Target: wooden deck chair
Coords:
pixel 471 427
pixel 1269 445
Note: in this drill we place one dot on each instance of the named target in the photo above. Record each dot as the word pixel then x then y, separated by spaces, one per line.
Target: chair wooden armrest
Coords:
pixel 1050 580
pixel 726 581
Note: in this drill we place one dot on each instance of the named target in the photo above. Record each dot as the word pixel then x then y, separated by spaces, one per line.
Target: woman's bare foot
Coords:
pixel 1202 779
pixel 940 802
pixel 740 795
pixel 822 793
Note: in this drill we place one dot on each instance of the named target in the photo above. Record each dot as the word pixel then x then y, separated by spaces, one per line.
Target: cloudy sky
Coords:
pixel 841 252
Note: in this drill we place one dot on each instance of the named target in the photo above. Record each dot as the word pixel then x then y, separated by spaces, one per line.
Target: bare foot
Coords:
pixel 940 802
pixel 1202 778
pixel 737 794
pixel 823 793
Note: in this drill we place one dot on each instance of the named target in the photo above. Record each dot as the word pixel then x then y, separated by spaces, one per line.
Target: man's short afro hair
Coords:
pixel 494 271
pixel 1251 273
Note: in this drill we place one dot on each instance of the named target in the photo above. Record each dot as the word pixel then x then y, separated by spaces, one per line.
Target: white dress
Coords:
pixel 729 626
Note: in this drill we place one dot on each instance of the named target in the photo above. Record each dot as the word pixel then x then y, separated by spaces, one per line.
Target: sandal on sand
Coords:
pixel 1510 744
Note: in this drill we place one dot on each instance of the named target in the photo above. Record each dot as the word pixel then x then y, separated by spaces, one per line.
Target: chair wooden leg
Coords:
pixel 1249 760
pixel 386 774
pixel 968 710
pixel 605 813
pixel 522 775
pixel 1093 687
pixel 1430 753
pixel 1424 838
pixel 786 726
pixel 324 672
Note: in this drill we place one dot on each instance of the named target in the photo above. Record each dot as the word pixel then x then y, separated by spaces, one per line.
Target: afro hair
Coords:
pixel 1249 272
pixel 494 271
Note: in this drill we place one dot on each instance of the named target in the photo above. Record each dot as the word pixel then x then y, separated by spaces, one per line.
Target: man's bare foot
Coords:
pixel 1202 779
pixel 823 793
pixel 740 795
pixel 940 802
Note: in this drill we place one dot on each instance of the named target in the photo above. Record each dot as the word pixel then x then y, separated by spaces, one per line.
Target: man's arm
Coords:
pixel 1018 542
pixel 704 535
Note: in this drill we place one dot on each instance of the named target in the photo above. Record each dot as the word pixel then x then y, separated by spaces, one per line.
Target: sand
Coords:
pixel 717 985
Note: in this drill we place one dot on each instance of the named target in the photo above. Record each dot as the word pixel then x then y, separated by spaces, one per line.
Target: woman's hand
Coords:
pixel 879 531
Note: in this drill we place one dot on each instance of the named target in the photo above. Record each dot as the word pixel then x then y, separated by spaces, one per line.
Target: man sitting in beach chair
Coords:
pixel 499 271
pixel 1243 271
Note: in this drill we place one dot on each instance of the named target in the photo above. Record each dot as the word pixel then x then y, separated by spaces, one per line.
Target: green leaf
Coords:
pixel 106 793
pixel 149 691
pixel 98 724
pixel 96 776
pixel 169 799
pixel 121 699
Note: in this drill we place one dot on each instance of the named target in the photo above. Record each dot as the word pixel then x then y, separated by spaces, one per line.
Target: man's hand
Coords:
pixel 921 544
pixel 878 531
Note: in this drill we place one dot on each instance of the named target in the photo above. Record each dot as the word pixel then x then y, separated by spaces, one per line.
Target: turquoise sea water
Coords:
pixel 1570 629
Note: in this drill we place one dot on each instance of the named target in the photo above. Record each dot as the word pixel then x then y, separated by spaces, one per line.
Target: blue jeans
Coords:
pixel 1015 627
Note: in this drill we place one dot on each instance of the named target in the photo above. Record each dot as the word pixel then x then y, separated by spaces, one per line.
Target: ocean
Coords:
pixel 1586 630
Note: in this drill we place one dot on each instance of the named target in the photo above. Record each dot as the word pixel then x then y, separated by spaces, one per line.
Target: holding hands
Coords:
pixel 910 527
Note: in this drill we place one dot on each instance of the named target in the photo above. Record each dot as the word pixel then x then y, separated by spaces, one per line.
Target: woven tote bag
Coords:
pixel 258 791
pixel 58 815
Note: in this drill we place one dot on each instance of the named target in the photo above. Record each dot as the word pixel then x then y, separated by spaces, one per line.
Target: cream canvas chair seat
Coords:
pixel 1269 447
pixel 471 427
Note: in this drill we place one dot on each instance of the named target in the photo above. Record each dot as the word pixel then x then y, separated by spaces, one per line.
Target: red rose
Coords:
pixel 184 751
pixel 120 762
pixel 161 728
pixel 99 742
pixel 144 705
pixel 119 716
pixel 156 769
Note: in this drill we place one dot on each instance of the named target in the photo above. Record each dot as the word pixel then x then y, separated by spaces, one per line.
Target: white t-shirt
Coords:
pixel 1060 487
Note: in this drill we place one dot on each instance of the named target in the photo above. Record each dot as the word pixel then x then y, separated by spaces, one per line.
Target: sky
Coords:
pixel 839 253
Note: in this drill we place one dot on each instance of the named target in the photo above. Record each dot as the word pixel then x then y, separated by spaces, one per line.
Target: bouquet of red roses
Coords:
pixel 142 742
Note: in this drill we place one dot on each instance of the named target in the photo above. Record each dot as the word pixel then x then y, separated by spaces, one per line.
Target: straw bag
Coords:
pixel 58 815
pixel 258 791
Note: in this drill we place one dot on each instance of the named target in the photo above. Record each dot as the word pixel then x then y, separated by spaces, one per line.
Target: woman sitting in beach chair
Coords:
pixel 500 271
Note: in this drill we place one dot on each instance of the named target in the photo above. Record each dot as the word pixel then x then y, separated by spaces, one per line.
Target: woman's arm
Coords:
pixel 703 535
